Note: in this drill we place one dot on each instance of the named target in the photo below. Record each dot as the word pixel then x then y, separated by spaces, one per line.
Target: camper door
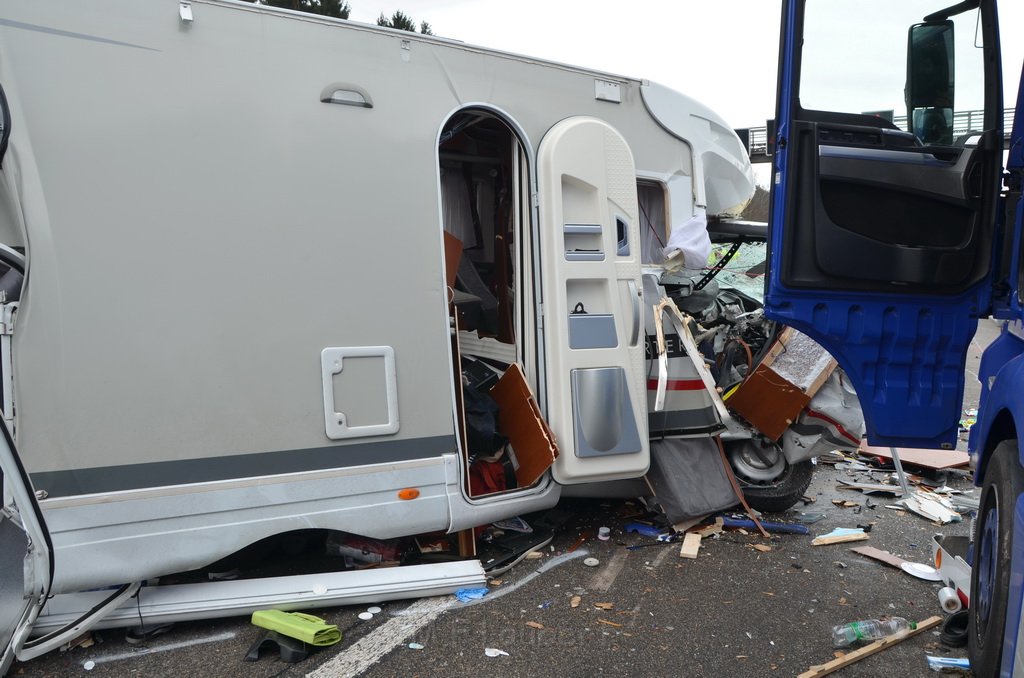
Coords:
pixel 592 314
pixel 26 565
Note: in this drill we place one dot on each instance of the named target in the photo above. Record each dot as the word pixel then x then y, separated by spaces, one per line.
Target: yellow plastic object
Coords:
pixel 304 627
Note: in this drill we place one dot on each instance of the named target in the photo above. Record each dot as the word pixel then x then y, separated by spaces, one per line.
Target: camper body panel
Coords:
pixel 200 226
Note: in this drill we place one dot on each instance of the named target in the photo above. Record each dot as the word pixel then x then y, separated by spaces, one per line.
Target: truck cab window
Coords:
pixel 855 61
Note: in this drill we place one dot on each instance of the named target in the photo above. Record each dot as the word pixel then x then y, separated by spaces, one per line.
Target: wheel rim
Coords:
pixel 760 465
pixel 988 559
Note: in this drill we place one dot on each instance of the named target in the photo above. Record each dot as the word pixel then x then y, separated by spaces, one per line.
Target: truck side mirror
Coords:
pixel 930 82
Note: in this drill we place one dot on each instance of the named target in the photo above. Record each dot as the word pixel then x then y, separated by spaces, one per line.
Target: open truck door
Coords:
pixel 593 318
pixel 882 230
pixel 26 564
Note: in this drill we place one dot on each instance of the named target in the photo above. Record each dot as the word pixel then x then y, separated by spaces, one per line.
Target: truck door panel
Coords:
pixel 868 208
pixel 881 233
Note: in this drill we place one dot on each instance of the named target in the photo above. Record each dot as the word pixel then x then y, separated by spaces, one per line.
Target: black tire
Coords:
pixel 783 492
pixel 993 548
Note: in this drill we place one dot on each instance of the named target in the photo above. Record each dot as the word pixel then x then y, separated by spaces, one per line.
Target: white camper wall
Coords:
pixel 200 226
pixel 210 226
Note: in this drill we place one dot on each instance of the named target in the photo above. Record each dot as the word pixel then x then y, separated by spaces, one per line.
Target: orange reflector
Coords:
pixel 938 558
pixel 408 493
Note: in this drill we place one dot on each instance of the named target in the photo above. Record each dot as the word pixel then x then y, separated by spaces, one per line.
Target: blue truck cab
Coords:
pixel 895 226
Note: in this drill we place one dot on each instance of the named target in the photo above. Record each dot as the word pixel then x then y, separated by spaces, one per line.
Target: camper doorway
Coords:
pixel 484 180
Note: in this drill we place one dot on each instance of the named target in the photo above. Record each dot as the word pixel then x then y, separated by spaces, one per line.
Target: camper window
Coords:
pixel 653 232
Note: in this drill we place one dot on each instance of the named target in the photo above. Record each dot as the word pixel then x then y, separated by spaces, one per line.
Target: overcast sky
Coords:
pixel 722 52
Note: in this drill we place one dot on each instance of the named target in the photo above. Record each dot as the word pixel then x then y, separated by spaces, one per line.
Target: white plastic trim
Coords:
pixel 332 361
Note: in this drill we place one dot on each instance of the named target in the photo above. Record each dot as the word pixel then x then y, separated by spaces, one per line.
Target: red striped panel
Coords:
pixel 677 385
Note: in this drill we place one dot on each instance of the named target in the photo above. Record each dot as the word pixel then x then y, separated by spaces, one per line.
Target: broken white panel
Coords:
pixel 470 343
pixel 210 600
pixel 931 507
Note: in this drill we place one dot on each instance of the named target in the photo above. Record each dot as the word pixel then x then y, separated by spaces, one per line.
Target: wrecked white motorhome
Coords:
pixel 264 255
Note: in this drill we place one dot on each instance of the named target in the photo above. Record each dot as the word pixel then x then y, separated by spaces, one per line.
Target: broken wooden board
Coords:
pixel 782 385
pixel 685 525
pixel 802 361
pixel 839 536
pixel 768 402
pixel 713 528
pixel 520 420
pixel 933 459
pixel 691 544
pixel 868 650
pixel 880 555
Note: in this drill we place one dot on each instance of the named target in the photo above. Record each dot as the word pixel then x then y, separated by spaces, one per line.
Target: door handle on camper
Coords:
pixel 634 296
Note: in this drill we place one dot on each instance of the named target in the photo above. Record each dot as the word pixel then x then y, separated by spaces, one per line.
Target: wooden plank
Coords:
pixel 467 543
pixel 868 650
pixel 820 380
pixel 825 540
pixel 804 363
pixel 691 544
pixel 684 525
pixel 933 459
pixel 880 555
pixel 519 420
pixel 778 347
pixel 708 530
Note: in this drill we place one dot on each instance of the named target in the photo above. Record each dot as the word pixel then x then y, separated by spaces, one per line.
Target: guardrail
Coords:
pixel 963 122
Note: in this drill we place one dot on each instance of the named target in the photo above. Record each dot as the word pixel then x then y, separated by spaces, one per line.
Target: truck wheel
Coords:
pixel 769 482
pixel 993 548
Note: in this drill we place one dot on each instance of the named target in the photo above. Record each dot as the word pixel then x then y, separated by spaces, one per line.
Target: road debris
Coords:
pixel 777 528
pixel 691 544
pixel 921 571
pixel 948 600
pixel 868 650
pixel 879 555
pixel 466 595
pixel 931 506
pixel 709 530
pixel 840 535
pixel 942 664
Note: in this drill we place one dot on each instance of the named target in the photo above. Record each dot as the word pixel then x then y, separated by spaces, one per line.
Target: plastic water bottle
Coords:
pixel 869 629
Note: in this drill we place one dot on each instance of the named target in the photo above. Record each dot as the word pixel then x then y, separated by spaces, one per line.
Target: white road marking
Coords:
pixel 153 649
pixel 369 649
pixel 661 556
pixel 547 565
pixel 604 579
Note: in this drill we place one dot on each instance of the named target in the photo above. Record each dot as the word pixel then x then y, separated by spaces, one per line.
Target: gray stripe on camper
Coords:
pixel 68 34
pixel 208 469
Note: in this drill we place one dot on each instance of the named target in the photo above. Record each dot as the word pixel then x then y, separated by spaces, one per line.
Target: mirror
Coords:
pixel 930 82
